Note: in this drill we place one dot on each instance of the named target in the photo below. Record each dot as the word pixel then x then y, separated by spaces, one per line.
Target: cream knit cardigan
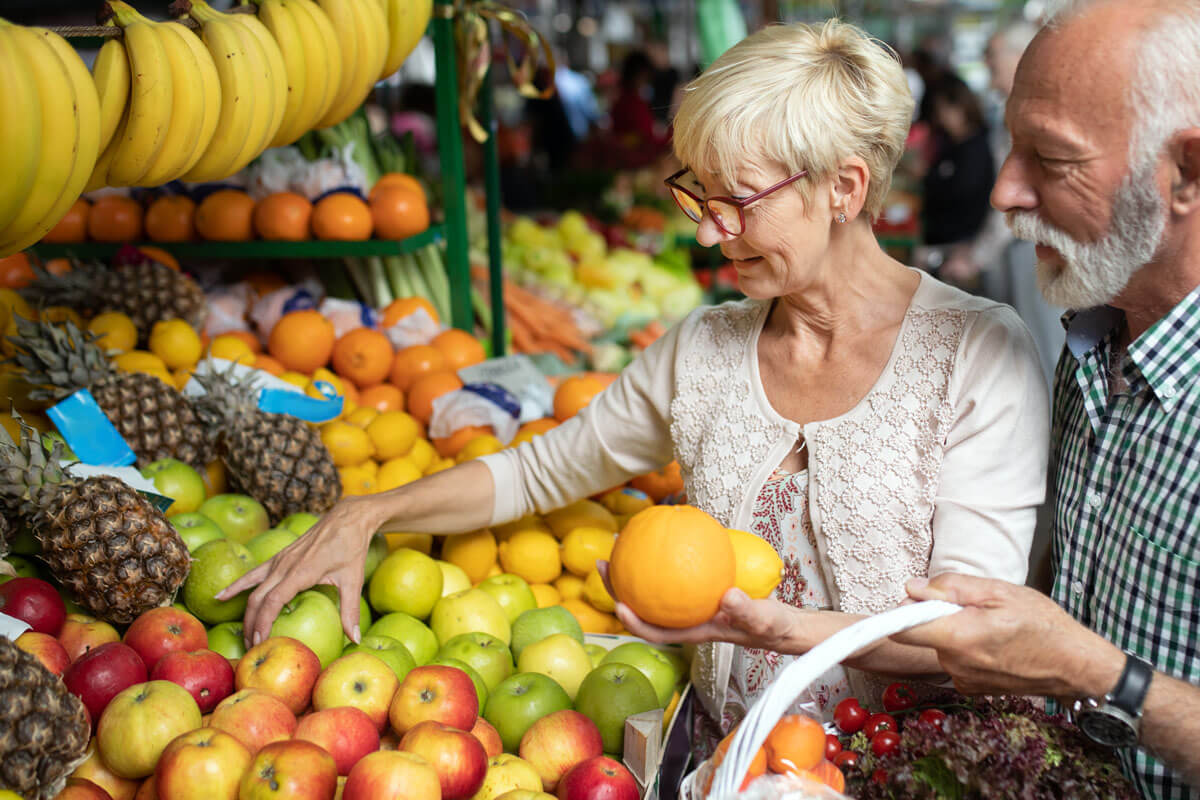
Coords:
pixel 939 468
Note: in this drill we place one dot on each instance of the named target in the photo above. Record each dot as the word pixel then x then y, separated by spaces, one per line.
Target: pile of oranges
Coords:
pixel 796 746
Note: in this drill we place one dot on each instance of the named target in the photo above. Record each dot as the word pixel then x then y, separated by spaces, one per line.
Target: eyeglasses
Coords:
pixel 727 212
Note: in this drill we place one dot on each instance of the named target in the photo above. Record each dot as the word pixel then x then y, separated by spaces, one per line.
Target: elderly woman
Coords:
pixel 872 424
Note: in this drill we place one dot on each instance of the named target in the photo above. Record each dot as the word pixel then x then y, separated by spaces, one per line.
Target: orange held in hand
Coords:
pixel 672 565
pixel 302 341
pixel 795 743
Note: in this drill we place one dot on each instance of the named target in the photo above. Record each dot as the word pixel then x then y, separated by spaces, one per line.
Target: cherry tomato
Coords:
pixel 846 759
pixel 898 697
pixel 879 776
pixel 879 722
pixel 849 716
pixel 885 742
pixel 933 716
pixel 833 746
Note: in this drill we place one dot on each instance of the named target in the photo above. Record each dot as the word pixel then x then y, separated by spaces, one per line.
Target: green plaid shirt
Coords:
pixel 1127 509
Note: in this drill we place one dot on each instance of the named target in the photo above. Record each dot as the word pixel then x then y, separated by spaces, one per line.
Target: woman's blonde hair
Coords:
pixel 805 96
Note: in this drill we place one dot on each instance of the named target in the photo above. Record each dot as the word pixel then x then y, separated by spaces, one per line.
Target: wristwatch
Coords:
pixel 1115 720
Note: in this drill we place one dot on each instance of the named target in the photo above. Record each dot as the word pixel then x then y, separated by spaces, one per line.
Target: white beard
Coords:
pixel 1096 272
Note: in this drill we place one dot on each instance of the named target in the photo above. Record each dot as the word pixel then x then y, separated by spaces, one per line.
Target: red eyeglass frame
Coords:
pixel 739 203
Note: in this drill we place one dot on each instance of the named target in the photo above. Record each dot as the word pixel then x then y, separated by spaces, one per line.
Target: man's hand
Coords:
pixel 1012 640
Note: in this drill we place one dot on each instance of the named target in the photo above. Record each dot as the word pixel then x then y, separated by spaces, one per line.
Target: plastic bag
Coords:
pixel 227 308
pixel 276 170
pixel 346 315
pixel 273 305
pixel 765 787
pixel 416 328
pixel 339 172
pixel 476 404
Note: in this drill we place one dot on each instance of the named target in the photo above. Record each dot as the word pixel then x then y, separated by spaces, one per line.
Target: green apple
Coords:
pixel 481 688
pixel 25 567
pixel 364 610
pixel 265 545
pixel 24 543
pixel 299 523
pixel 228 639
pixel 313 619
pixel 179 481
pixel 511 592
pixel 454 578
pixel 48 441
pixel 519 701
pixel 239 516
pixel 377 551
pixel 408 631
pixel 195 529
pixel 389 651
pixel 595 652
pixel 610 693
pixel 469 611
pixel 652 663
pixel 487 654
pixel 536 624
pixel 214 566
pixel 408 581
pixel 560 657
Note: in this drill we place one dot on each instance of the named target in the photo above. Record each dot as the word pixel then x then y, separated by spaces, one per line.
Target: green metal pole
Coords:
pixel 450 152
pixel 491 170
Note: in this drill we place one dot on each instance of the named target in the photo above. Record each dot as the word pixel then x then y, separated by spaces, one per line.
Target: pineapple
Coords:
pixel 43 727
pixel 154 418
pixel 144 290
pixel 114 553
pixel 277 459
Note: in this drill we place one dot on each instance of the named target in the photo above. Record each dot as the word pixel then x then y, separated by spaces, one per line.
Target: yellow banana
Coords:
pixel 187 119
pixel 277 73
pixel 151 99
pixel 345 25
pixel 211 83
pixel 258 70
pixel 20 144
pixel 406 22
pixel 99 177
pixel 317 31
pixel 304 79
pixel 369 49
pixel 111 74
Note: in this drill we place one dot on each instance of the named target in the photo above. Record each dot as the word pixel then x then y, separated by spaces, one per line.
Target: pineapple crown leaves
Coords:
pixel 226 396
pixel 73 288
pixel 57 358
pixel 27 471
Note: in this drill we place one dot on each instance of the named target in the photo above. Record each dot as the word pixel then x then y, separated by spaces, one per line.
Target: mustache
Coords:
pixel 1028 226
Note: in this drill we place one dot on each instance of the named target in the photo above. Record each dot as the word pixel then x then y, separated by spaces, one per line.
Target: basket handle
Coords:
pixel 788 685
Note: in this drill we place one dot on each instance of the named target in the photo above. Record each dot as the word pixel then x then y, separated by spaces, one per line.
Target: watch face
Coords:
pixel 1107 729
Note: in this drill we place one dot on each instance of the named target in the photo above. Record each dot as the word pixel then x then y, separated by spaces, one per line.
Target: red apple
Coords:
pixel 157 711
pixel 283 667
pixel 35 602
pixel 361 680
pixel 388 740
pixel 165 630
pixel 95 770
pixel 557 742
pixel 254 718
pixel 598 778
pixel 207 675
pixel 432 692
pixel 295 770
pixel 101 674
pixel 344 732
pixel 47 650
pixel 80 789
pixel 488 736
pixel 201 764
pixel 147 791
pixel 81 633
pixel 456 756
pixel 393 774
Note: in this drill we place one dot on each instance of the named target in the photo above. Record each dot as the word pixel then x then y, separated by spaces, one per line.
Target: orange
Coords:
pixel 397 180
pixel 415 362
pixel 662 484
pixel 283 217
pixel 382 397
pixel 398 212
pixel 427 389
pixel 401 307
pixel 538 426
pixel 159 255
pixel 73 226
pixel 827 773
pixel 574 394
pixel 797 742
pixel 226 215
pixel 264 283
pixel 171 218
pixel 58 266
pixel 268 364
pixel 363 355
pixel 341 217
pixel 15 271
pixel 115 218
pixel 448 446
pixel 460 348
pixel 302 341
pixel 672 565
pixel 249 338
pixel 230 348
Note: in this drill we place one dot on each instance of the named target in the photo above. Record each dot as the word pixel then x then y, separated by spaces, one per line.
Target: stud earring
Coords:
pixel 841 218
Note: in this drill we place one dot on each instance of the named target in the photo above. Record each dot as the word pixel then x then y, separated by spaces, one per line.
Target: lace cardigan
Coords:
pixel 940 467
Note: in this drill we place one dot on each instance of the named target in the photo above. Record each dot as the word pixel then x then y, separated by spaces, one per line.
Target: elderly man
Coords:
pixel 1104 176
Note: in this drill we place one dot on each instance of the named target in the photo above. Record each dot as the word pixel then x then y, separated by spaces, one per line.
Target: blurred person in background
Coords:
pixel 638 138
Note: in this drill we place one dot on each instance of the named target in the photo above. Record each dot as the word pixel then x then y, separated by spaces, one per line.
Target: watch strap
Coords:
pixel 1130 692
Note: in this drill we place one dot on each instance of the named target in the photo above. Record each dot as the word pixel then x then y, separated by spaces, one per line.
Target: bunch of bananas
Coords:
pixel 49 132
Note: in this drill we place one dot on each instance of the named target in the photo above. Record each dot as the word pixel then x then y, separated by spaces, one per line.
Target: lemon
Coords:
pixel 523 437
pixel 759 567
pixel 532 556
pixel 16 305
pixel 347 444
pixel 180 378
pixel 393 434
pixel 474 553
pixel 669 711
pixel 294 378
pixel 582 547
pixel 356 481
pixel 361 416
pixel 397 472
pixel 176 343
pixel 591 620
pixel 569 586
pixel 61 314
pixel 545 595
pixel 231 348
pixel 215 480
pixel 597 594
pixel 422 542
pixel 422 454
pixel 483 445
pixel 139 361
pixel 494 570
pixel 440 466
pixel 529 522
pixel 325 375
pixel 578 514
pixel 371 466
